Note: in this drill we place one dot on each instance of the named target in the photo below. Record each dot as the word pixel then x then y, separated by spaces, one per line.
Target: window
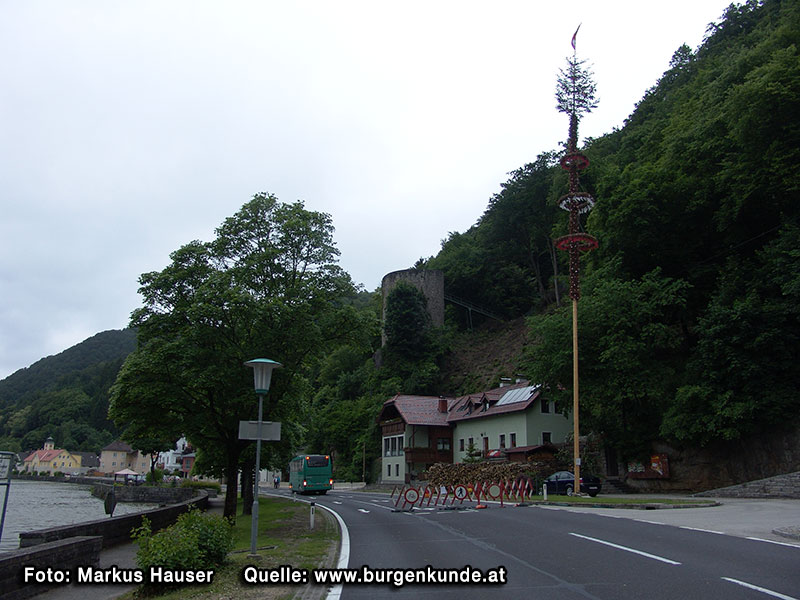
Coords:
pixel 388 470
pixel 471 442
pixel 461 445
pixel 545 405
pixel 317 460
pixel 513 440
pixel 397 470
pixel 546 437
pixel 443 444
pixel 502 440
pixel 393 446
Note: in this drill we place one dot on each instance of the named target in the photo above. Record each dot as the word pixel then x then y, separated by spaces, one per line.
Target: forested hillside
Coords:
pixel 689 314
pixel 690 318
pixel 64 396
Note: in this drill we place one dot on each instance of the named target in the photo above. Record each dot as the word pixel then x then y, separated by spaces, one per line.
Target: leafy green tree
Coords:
pixel 742 374
pixel 630 350
pixel 266 286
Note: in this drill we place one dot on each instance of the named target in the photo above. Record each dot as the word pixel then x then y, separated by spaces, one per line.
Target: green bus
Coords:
pixel 310 473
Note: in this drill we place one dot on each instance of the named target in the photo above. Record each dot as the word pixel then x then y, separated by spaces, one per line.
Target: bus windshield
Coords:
pixel 317 461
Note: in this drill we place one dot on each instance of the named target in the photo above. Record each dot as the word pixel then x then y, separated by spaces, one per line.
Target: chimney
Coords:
pixel 442 405
pixel 504 381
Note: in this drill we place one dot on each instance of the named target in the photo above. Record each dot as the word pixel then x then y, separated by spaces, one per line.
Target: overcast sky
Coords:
pixel 128 129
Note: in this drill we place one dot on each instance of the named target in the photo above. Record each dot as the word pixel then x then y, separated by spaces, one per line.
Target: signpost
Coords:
pixel 270 431
pixel 6 462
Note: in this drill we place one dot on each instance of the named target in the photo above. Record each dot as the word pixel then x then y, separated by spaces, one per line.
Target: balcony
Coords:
pixel 427 455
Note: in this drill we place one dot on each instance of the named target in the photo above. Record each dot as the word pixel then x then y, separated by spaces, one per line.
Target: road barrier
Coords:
pixel 408 496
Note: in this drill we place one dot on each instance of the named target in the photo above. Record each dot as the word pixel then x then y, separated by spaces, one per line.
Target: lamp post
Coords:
pixel 262 374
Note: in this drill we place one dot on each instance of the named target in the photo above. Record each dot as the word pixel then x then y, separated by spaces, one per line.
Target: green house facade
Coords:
pixel 502 423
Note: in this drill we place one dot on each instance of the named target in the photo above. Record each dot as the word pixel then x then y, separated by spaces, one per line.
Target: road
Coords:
pixel 553 553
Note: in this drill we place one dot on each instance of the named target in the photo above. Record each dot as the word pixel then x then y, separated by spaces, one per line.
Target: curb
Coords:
pixel 642 506
pixel 788 532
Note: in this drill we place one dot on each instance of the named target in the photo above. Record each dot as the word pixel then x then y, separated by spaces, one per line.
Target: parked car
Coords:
pixel 563 482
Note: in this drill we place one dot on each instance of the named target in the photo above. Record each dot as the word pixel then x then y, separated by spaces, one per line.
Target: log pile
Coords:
pixel 464 473
pixel 536 468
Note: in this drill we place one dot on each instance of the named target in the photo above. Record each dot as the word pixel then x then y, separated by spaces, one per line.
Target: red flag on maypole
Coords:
pixel 575 36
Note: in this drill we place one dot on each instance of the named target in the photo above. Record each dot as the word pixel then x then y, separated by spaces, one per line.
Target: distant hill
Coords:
pixel 65 395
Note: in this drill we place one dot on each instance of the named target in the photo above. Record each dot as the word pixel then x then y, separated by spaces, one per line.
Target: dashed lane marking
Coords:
pixel 627 549
pixel 772 593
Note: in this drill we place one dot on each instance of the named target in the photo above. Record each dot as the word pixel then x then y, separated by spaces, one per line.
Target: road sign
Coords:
pixel 5 464
pixel 460 492
pixel 270 431
pixel 411 495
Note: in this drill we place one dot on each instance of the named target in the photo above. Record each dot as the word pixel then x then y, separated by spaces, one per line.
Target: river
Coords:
pixel 40 504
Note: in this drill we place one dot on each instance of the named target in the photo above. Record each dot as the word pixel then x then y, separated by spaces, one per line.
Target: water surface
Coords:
pixel 40 504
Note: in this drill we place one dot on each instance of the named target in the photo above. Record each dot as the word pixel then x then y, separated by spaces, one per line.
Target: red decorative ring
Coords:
pixel 583 242
pixel 574 160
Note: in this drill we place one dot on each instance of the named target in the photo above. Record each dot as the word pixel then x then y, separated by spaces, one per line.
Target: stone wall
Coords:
pixel 113 530
pixel 780 486
pixel 430 283
pixel 724 464
pixel 61 554
pixel 144 493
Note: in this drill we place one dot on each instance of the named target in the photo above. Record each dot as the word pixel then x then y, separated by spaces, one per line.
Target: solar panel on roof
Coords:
pixel 517 395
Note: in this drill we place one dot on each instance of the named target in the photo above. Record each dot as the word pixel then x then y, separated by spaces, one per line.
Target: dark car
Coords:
pixel 563 482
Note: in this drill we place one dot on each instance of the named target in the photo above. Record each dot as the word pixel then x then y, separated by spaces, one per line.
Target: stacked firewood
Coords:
pixel 468 473
pixel 465 473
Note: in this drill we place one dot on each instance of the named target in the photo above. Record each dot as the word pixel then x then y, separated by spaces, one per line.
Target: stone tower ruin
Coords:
pixel 430 283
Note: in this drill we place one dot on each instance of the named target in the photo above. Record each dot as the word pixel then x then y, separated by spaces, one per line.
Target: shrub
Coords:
pixel 203 485
pixel 155 476
pixel 213 533
pixel 195 541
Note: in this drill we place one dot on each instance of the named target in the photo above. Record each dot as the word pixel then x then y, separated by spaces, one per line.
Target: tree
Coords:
pixel 575 94
pixel 266 286
pixel 474 454
pixel 631 348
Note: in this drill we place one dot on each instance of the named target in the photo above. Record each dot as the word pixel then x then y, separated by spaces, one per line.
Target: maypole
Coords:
pixel 575 95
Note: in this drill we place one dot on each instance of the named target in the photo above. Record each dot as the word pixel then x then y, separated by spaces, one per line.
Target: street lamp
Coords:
pixel 262 374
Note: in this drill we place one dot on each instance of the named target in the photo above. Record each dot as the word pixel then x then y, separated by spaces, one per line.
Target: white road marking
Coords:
pixel 703 530
pixel 639 552
pixel 372 504
pixel 650 522
pixel 774 542
pixel 760 589
pixel 336 502
pixel 363 510
pixel 344 554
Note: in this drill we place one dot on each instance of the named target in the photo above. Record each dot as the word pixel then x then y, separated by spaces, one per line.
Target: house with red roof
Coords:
pixel 50 460
pixel 506 423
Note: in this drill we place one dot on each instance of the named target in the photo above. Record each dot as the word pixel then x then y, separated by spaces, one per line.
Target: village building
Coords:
pixel 172 460
pixel 509 422
pixel 51 460
pixel 118 456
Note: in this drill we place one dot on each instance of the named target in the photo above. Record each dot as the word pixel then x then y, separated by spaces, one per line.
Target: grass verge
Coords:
pixel 284 538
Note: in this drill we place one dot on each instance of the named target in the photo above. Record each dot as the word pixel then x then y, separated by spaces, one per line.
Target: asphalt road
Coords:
pixel 554 553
